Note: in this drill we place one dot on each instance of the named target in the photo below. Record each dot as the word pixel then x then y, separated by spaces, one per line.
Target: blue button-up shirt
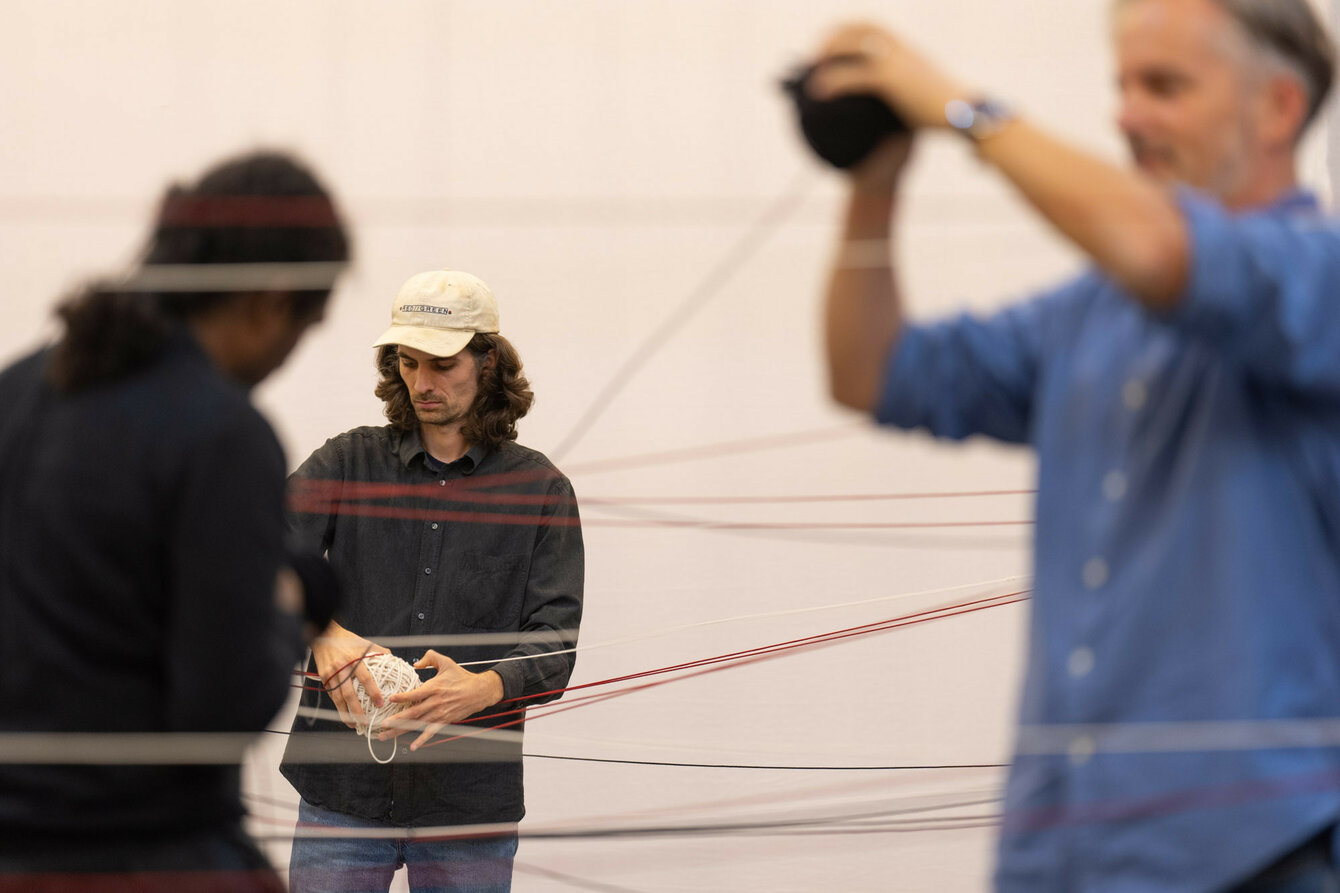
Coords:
pixel 1185 627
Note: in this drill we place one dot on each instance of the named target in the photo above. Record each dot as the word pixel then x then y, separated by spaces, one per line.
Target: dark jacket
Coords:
pixel 141 528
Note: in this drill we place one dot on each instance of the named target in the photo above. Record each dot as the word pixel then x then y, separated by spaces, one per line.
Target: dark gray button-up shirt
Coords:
pixel 490 544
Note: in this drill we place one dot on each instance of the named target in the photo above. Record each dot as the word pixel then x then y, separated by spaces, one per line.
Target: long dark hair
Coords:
pixel 504 393
pixel 260 208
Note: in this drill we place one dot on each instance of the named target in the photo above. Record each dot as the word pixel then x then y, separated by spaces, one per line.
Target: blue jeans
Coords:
pixel 366 864
pixel 1308 869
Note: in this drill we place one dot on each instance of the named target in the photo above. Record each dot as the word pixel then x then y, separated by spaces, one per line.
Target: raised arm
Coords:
pixel 863 309
pixel 1127 223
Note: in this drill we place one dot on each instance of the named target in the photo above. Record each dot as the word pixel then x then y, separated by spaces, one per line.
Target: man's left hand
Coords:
pixel 450 696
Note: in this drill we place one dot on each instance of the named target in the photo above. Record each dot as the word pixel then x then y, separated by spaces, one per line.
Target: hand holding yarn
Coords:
pixel 393 677
pixel 339 658
pixel 449 697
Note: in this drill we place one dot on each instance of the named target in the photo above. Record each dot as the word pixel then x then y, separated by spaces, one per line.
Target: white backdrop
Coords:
pixel 605 167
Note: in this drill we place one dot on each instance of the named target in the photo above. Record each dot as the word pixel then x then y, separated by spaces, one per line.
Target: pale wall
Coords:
pixel 594 160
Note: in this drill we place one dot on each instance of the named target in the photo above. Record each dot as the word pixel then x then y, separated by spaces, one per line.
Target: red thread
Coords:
pixel 733 659
pixel 288 211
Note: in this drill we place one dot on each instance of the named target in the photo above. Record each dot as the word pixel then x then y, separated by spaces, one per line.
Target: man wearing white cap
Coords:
pixel 444 532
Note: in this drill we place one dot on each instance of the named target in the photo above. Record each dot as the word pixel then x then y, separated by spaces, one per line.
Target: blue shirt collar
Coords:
pixel 1296 200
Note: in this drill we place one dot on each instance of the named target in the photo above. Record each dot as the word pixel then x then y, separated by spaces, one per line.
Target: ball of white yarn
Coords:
pixel 393 676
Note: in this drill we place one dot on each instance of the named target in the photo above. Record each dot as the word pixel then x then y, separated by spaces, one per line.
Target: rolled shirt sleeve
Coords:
pixel 1265 288
pixel 972 374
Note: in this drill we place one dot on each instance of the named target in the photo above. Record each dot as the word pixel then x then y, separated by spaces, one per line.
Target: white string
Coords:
pixel 1081 741
pixel 448 641
pixel 312 276
pixel 200 748
pixel 690 816
pixel 768 615
pixel 393 676
pixel 481 733
pixel 865 254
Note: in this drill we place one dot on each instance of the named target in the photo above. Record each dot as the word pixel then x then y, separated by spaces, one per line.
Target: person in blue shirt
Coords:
pixel 1178 718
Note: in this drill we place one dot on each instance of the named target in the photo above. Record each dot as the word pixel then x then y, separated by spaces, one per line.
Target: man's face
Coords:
pixel 1186 107
pixel 442 388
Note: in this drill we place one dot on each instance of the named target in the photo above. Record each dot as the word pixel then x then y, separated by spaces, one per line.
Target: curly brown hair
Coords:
pixel 504 393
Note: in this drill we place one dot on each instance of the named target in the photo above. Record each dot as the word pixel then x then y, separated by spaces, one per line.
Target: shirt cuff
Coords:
pixel 1214 290
pixel 897 403
pixel 513 678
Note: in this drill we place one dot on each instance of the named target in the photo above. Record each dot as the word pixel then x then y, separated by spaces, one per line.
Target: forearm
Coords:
pixel 489 687
pixel 1129 225
pixel 862 308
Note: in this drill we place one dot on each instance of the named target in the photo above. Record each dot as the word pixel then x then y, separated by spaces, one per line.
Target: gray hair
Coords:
pixel 1288 35
pixel 1289 32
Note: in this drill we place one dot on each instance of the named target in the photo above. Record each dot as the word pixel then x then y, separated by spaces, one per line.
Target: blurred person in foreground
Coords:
pixel 144 581
pixel 460 551
pixel 1183 396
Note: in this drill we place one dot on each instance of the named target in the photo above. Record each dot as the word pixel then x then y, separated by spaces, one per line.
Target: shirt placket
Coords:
pixel 429 574
pixel 1084 660
pixel 432 532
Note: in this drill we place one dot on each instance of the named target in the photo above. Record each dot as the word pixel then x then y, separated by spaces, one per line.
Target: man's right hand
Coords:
pixel 339 661
pixel 866 58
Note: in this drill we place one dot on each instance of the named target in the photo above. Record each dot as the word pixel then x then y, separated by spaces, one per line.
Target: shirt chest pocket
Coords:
pixel 487 590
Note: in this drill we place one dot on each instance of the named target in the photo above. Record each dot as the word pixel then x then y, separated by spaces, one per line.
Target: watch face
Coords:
pixel 843 130
pixel 979 119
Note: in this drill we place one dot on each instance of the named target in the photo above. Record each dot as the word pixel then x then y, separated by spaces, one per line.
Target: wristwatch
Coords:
pixel 978 118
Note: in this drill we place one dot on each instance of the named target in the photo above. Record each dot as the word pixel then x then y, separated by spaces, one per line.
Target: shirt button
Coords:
pixel 1080 663
pixel 1081 750
pixel 1134 394
pixel 428 570
pixel 441 483
pixel 435 525
pixel 1095 573
pixel 1114 485
pixel 420 615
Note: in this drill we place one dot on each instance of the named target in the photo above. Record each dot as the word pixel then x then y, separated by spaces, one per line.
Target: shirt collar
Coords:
pixel 1295 201
pixel 411 446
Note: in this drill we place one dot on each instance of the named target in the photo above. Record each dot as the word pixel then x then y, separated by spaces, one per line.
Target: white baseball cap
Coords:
pixel 440 311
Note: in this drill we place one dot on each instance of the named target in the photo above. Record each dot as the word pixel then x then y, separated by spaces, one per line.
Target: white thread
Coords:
pixel 511 638
pixel 766 615
pixel 317 275
pixel 875 46
pixel 865 254
pixel 393 676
